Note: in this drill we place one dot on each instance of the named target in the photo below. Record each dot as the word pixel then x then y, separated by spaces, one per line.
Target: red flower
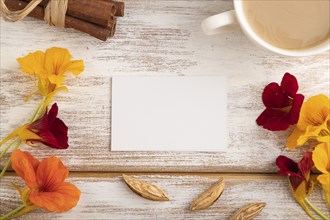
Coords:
pixel 297 172
pixel 282 104
pixel 51 130
pixel 299 177
pixel 48 130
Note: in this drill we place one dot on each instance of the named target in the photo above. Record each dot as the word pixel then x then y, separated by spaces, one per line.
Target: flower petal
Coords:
pixel 314 112
pixel 51 131
pixel 289 84
pixel 56 79
pixel 300 194
pixel 286 165
pixel 64 196
pixel 274 97
pixel 306 164
pixel 273 120
pixel 55 58
pixel 294 113
pixel 75 67
pixel 293 138
pixel 50 96
pixel 50 173
pixel 25 165
pixel 33 63
pixel 45 86
pixel 321 157
pixel 52 114
pixel 60 131
pixel 324 179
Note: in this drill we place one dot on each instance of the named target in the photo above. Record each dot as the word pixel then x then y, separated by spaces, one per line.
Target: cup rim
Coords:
pixel 322 47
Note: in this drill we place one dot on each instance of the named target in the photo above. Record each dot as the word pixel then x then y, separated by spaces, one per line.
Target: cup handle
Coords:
pixel 214 24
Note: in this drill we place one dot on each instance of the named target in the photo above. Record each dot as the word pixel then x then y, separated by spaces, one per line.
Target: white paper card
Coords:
pixel 169 113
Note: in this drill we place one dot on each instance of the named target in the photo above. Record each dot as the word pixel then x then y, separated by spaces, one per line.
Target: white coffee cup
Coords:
pixel 216 23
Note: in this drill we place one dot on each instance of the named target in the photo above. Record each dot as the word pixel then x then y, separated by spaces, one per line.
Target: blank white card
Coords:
pixel 169 113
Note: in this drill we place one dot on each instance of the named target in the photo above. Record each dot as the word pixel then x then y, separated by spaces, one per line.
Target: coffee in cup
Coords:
pixel 287 27
pixel 289 24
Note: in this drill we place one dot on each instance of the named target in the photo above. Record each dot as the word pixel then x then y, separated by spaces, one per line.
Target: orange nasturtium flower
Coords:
pixel 313 123
pixel 49 68
pixel 321 158
pixel 45 187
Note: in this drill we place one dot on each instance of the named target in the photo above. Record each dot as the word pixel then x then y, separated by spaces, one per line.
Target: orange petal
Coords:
pixel 64 197
pixel 50 173
pixel 25 165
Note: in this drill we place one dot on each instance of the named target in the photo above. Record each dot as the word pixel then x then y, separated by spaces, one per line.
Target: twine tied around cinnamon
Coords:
pixel 54 12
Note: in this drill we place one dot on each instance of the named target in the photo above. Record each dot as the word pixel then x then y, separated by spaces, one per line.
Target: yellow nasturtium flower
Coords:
pixel 49 68
pixel 321 159
pixel 313 123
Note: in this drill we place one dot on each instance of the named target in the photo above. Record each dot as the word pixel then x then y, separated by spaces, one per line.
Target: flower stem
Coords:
pixel 36 111
pixel 7 148
pixel 316 210
pixel 7 216
pixel 8 161
pixel 34 116
pixel 11 135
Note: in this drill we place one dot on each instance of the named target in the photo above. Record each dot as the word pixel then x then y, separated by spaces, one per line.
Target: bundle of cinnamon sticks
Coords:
pixel 94 17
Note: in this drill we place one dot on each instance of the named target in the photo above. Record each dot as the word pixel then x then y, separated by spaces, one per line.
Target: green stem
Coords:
pixel 19 143
pixel 35 114
pixel 37 110
pixel 8 161
pixel 316 210
pixel 12 212
pixel 7 148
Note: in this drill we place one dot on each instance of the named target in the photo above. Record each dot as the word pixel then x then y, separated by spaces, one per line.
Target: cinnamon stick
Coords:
pixel 120 7
pixel 95 11
pixel 113 27
pixel 94 30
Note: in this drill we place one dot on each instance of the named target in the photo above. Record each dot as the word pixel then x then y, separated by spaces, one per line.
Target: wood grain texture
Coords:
pixel 155 38
pixel 106 196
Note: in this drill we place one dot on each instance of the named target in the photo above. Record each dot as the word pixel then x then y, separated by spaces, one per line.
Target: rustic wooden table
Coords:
pixel 159 38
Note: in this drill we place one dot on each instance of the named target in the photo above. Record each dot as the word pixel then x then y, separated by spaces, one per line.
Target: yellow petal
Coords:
pixel 300 195
pixel 55 59
pixel 75 67
pixel 323 139
pixel 56 79
pixel 314 112
pixel 293 138
pixel 33 63
pixel 24 133
pixel 321 158
pixel 50 97
pixel 324 179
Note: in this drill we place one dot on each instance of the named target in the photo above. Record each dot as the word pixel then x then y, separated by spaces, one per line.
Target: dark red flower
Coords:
pixel 51 130
pixel 299 177
pixel 297 172
pixel 282 104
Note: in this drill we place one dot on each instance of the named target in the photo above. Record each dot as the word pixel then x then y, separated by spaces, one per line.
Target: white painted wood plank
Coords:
pixel 155 38
pixel 107 197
